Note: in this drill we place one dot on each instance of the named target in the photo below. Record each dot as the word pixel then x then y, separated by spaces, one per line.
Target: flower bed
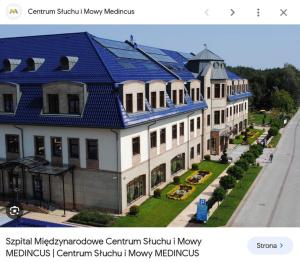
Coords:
pixel 198 177
pixel 181 192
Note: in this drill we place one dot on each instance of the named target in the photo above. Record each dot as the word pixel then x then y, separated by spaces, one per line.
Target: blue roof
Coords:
pixel 102 64
pixel 89 67
pixel 232 75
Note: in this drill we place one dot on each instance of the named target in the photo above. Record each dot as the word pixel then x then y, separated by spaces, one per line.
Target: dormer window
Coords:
pixel 162 98
pixel 53 101
pixel 34 63
pixel 11 64
pixel 64 98
pixel 8 103
pixel 68 62
pixel 73 104
pixel 129 103
pixel 153 99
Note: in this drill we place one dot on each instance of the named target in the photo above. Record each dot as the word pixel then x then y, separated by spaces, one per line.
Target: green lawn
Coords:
pixel 160 212
pixel 223 213
pixel 257 118
pixel 275 140
pixel 240 138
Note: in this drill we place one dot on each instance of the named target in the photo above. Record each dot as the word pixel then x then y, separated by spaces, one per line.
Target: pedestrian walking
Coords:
pixel 271 157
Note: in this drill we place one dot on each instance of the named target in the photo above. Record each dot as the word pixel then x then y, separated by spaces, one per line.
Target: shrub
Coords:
pixel 251 126
pixel 219 194
pixel 227 182
pixel 93 218
pixel 273 131
pixel 257 148
pixel 231 140
pixel 224 157
pixel 176 180
pixel 157 193
pixel 277 122
pixel 210 202
pixel 243 164
pixel 235 171
pixel 195 166
pixel 134 210
pixel 249 157
pixel 207 157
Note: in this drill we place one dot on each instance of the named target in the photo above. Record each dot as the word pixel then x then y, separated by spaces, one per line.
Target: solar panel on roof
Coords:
pixel 114 44
pixel 120 49
pixel 163 58
pixel 157 54
pixel 127 54
pixel 126 64
pixel 150 66
pixel 186 55
pixel 152 50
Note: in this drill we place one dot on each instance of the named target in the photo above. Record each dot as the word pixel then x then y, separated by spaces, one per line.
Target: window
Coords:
pixel 153 99
pixel 230 111
pixel 226 112
pixel 174 131
pixel 174 97
pixel 217 90
pixel 208 144
pixel 223 90
pixel 217 117
pixel 12 144
pixel 140 102
pixel 180 96
pixel 153 139
pixel 129 103
pixel 162 98
pixel 53 101
pixel 158 175
pixel 73 102
pixel 208 93
pixel 192 125
pixel 136 188
pixel 74 148
pixel 198 149
pixel 245 105
pixel 177 163
pixel 193 94
pixel 92 149
pixel 208 120
pixel 136 146
pixel 223 116
pixel 181 129
pixel 56 146
pixel 198 122
pixel 8 103
pixel 163 136
pixel 198 94
pixel 39 145
pixel 192 153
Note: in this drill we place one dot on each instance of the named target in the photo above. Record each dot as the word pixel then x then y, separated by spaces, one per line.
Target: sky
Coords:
pixel 256 46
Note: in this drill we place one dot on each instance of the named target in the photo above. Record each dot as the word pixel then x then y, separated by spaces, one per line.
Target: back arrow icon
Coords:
pixel 232 12
pixel 206 12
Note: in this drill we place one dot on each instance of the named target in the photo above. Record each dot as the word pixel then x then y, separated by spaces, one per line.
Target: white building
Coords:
pixel 113 120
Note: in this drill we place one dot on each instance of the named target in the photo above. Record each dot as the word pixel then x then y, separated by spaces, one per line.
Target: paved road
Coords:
pixel 273 201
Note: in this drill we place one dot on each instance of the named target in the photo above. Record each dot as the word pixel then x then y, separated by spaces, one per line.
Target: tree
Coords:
pixel 224 157
pixel 282 100
pixel 273 131
pixel 235 171
pixel 219 194
pixel 227 182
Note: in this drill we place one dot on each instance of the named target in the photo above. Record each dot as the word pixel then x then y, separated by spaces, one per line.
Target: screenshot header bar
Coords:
pixel 151 12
